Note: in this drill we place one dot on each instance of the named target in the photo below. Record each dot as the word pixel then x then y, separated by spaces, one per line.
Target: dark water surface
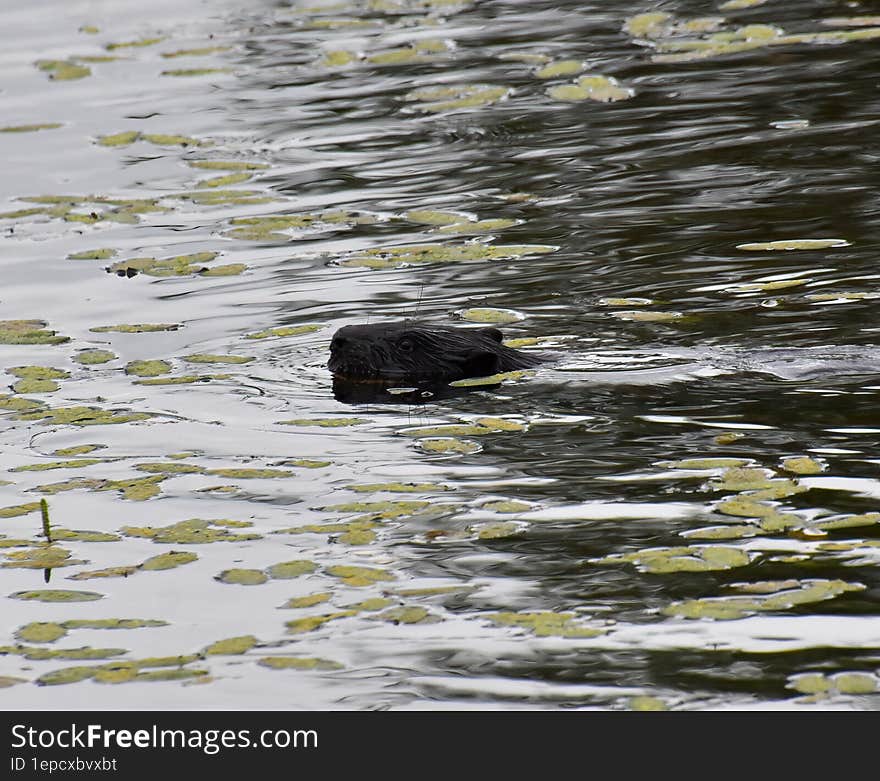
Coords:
pixel 617 531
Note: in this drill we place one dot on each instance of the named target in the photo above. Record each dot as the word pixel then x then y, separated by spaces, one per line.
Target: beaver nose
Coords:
pixel 338 343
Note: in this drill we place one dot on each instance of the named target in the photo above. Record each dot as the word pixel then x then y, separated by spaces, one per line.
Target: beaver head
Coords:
pixel 419 353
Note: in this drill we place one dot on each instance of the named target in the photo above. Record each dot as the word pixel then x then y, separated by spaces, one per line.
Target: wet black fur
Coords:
pixel 419 353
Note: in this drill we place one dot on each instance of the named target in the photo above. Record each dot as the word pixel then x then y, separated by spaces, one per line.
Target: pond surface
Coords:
pixel 196 196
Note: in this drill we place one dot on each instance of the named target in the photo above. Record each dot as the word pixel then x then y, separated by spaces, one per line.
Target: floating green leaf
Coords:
pixel 28 332
pixel 56 595
pixel 30 128
pixel 40 632
pixel 793 244
pixel 359 576
pixel 63 70
pixel 298 663
pixel 682 559
pixel 604 89
pixel 193 531
pixel 243 577
pixel 281 331
pixel 291 569
pixel 545 623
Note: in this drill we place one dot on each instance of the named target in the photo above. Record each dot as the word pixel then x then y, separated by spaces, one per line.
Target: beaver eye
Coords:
pixel 406 345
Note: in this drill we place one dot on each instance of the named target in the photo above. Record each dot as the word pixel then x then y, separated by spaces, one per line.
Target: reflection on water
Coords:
pixel 677 204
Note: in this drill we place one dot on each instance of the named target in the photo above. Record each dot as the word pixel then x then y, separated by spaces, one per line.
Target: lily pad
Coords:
pixel 56 595
pixel 90 357
pixel 298 663
pixel 243 577
pixel 291 569
pixel 359 576
pixel 28 332
pixel 138 328
pixel 231 646
pixel 311 623
pixel 193 531
pixel 147 368
pixel 604 89
pixel 168 560
pixel 457 96
pixel 545 623
pixel 793 244
pixel 40 632
pixel 282 331
pixel 682 559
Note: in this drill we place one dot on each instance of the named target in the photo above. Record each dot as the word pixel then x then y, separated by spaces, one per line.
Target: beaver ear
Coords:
pixel 493 333
pixel 481 363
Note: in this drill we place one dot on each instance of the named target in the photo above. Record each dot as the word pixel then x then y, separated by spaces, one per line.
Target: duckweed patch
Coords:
pixel 44 557
pixel 231 646
pixel 193 531
pixel 209 358
pixel 762 599
pixel 19 509
pixel 559 68
pixel 282 331
pixel 227 165
pixel 793 244
pixel 291 569
pixel 184 379
pixel 408 614
pixel 171 468
pixel 195 71
pixel 169 560
pixel 298 663
pixel 104 253
pixel 404 488
pixel 74 464
pixel 94 356
pixel 489 315
pixel 40 632
pixel 681 559
pixel 453 97
pixel 311 623
pixel 414 254
pixel 305 463
pixel 242 473
pixel 324 422
pixel 498 531
pixel 136 328
pixel 38 372
pixel 63 70
pixel 30 128
pixel 545 623
pixel 480 427
pixel 147 368
pixel 77 450
pixel 28 332
pixel 357 532
pixel 56 595
pixel 803 465
pixel 224 181
pixel 449 445
pixel 37 653
pixel 243 577
pixel 603 89
pixel 389 509
pixel 113 623
pixel 137 489
pixel 82 535
pixel 839 683
pixel 359 576
pixel 310 600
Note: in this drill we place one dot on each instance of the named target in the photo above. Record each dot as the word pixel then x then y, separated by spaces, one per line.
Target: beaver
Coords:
pixel 420 353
